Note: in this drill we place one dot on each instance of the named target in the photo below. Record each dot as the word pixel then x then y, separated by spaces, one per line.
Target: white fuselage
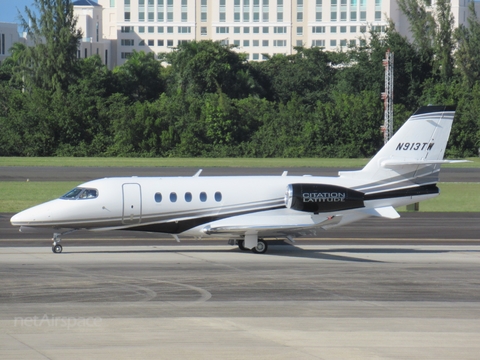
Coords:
pixel 193 205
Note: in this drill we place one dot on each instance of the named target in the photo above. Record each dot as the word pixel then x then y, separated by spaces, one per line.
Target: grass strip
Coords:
pixel 19 195
pixel 16 196
pixel 454 197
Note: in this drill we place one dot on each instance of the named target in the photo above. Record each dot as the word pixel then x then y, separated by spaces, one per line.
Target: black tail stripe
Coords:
pixel 414 191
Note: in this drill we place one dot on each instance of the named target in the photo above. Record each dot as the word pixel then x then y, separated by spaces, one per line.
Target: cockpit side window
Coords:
pixel 72 194
pixel 80 193
pixel 88 194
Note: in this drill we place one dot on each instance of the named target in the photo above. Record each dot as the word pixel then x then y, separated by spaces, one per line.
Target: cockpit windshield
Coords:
pixel 80 193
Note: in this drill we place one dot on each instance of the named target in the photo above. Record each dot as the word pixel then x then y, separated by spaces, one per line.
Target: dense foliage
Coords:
pixel 205 99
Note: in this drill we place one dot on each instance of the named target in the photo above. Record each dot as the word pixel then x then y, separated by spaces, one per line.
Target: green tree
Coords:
pixel 464 140
pixel 140 78
pixel 467 55
pixel 348 126
pixel 281 131
pixel 219 124
pixel 306 74
pixel 444 40
pixel 18 65
pixel 53 59
pixel 422 26
pixel 83 122
pixel 200 67
pixel 432 34
pixel 364 68
pixel 410 71
pixel 11 103
pixel 360 68
pixel 31 118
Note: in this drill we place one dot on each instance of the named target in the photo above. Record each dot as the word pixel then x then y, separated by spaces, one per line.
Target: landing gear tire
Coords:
pixel 241 245
pixel 261 247
pixel 57 248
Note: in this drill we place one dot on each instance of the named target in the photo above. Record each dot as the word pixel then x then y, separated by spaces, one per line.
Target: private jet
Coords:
pixel 250 210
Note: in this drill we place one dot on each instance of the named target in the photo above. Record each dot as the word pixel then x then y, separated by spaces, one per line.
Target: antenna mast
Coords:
pixel 387 96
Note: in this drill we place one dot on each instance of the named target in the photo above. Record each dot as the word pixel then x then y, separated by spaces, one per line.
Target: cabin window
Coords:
pixel 173 197
pixel 188 197
pixel 203 196
pixel 218 196
pixel 80 193
pixel 158 197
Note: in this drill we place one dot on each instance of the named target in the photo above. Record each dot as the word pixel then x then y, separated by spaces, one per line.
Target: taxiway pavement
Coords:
pixel 217 302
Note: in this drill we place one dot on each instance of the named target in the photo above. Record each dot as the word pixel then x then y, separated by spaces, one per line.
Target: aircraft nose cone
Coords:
pixel 20 219
pixel 36 215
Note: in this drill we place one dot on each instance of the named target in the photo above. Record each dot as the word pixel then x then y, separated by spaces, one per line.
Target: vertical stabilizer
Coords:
pixel 413 155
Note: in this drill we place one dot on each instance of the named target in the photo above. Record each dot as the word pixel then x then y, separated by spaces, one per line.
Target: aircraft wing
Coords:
pixel 285 225
pixel 273 228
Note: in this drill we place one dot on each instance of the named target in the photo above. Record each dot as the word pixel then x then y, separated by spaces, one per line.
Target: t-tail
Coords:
pixel 406 170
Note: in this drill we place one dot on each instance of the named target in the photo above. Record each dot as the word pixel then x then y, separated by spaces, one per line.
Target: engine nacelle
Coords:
pixel 319 198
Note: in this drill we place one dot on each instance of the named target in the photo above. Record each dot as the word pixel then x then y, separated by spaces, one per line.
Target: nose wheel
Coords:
pixel 56 247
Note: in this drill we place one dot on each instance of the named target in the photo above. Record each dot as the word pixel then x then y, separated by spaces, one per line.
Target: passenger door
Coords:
pixel 132 204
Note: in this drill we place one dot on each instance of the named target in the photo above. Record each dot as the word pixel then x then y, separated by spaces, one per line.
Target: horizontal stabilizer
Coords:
pixel 392 163
pixel 386 212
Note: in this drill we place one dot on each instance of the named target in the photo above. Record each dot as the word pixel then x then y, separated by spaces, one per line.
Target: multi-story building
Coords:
pixel 90 17
pixel 257 27
pixel 8 36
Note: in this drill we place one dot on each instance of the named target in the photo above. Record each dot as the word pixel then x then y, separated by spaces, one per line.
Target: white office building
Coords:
pixel 9 35
pixel 90 17
pixel 114 28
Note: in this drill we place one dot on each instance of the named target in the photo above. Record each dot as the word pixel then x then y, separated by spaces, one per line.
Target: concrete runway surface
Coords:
pixel 216 302
pixel 379 289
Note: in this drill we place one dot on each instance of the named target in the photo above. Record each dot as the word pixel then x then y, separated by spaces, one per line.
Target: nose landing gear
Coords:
pixel 56 247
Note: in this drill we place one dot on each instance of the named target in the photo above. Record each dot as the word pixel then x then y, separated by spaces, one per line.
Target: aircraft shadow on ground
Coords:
pixel 330 254
pixel 292 251
pixel 286 251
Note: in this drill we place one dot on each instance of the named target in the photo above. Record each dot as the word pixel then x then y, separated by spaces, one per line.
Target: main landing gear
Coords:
pixel 56 247
pixel 261 247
